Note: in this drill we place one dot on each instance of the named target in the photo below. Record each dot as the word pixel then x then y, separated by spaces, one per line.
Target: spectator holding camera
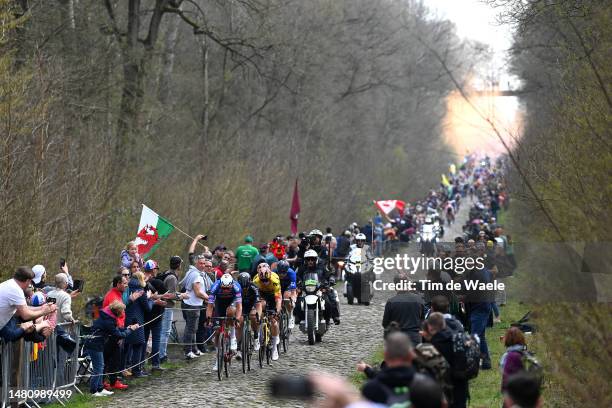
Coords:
pixel 13 306
pixel 135 312
pixel 62 298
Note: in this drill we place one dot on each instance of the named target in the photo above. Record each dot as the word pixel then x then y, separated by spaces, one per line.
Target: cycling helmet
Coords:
pixel 360 237
pixel 226 280
pixel 428 220
pixel 263 270
pixel 310 254
pixel 244 279
pixel 316 232
pixel 150 265
pixel 282 267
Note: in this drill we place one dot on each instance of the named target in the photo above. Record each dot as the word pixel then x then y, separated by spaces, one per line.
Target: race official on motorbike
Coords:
pixel 326 278
pixel 316 243
pixel 360 242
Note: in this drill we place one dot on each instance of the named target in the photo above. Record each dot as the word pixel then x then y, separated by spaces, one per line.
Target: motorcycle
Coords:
pixel 358 279
pixel 428 238
pixel 313 305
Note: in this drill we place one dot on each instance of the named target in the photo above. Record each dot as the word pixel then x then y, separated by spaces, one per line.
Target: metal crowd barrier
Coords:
pixel 33 372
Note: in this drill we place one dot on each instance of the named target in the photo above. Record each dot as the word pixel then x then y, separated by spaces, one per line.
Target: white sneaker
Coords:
pixel 256 345
pixel 274 353
pixel 216 366
pixel 291 322
pixel 198 353
pixel 190 356
pixel 238 355
pixel 233 344
pixel 99 394
pixel 106 392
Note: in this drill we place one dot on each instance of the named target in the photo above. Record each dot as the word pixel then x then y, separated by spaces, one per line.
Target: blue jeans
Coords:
pixel 478 323
pixel 97 362
pixel 495 309
pixel 166 328
pixel 153 329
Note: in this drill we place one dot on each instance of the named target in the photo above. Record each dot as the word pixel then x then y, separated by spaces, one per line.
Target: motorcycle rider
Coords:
pixel 316 243
pixel 360 243
pixel 326 278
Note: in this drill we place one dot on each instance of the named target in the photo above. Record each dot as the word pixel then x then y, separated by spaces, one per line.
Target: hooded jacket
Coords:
pixel 104 327
pixel 388 379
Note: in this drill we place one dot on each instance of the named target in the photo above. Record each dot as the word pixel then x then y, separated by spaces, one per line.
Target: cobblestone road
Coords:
pixel 342 346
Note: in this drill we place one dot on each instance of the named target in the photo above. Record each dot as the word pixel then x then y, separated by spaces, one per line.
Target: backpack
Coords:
pixel 531 364
pixel 466 351
pixel 430 362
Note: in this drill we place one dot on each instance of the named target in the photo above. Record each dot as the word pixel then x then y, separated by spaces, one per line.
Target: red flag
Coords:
pixel 391 208
pixel 295 209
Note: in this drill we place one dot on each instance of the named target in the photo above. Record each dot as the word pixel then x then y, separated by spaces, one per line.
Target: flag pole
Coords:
pixel 181 231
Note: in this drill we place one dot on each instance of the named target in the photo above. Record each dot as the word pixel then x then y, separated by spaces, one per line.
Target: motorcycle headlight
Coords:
pixel 310 288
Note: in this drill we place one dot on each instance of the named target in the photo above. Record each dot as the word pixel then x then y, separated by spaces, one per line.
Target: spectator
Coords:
pixel 441 304
pixel 394 380
pixel 104 328
pixel 130 255
pixel 426 393
pixel 135 314
pixel 63 299
pixel 343 245
pixel 115 350
pixel 202 331
pixel 135 266
pixel 441 337
pixel 522 391
pixel 293 249
pixel 218 253
pixel 245 254
pixel 154 316
pixel 192 247
pixel 407 309
pixel 193 283
pixel 13 302
pixel 220 269
pixel 478 307
pixel 40 276
pixel 170 282
pixel 512 360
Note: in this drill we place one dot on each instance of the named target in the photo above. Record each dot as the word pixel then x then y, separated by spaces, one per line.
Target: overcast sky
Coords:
pixel 477 20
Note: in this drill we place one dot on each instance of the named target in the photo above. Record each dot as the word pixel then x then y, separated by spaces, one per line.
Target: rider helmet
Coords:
pixel 263 270
pixel 282 267
pixel 316 232
pixel 428 220
pixel 360 239
pixel 244 279
pixel 310 254
pixel 226 280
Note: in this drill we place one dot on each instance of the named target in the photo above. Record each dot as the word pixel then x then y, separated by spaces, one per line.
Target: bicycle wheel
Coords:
pixel 227 356
pixel 249 341
pixel 220 354
pixel 244 345
pixel 262 345
pixel 284 330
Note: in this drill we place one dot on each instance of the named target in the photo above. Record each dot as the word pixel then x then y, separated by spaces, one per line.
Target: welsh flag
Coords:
pixel 152 230
pixel 391 208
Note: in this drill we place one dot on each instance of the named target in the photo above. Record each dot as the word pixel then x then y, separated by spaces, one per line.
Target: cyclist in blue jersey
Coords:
pixel 288 288
pixel 225 300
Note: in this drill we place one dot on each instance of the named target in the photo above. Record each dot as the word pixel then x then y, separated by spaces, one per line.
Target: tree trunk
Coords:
pixel 165 80
pixel 206 100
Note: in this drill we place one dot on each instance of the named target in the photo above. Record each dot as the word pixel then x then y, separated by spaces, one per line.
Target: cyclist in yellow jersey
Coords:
pixel 269 287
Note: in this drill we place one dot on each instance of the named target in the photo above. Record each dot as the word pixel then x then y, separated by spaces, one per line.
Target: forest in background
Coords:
pixel 562 53
pixel 207 111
